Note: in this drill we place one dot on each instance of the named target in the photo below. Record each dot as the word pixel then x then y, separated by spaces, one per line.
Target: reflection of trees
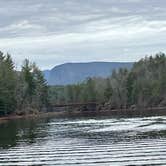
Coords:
pixel 26 131
pixel 8 134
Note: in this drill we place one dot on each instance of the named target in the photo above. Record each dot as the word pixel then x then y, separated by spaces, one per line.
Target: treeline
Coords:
pixel 25 91
pixel 143 86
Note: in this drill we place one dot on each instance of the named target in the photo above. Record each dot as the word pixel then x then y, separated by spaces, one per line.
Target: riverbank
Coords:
pixel 155 111
pixel 141 112
pixel 28 116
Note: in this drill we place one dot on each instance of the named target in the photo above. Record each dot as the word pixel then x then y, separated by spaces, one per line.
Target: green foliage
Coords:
pixel 7 84
pixel 143 86
pixel 40 97
pixel 149 83
pixel 108 90
pixel 21 90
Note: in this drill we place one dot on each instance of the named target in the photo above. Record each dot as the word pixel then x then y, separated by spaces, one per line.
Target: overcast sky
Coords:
pixel 52 32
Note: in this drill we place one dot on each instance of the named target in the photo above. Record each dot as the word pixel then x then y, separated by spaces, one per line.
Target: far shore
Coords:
pixel 30 116
pixel 127 113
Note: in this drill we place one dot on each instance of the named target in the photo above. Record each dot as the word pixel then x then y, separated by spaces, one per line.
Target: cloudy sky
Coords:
pixel 52 32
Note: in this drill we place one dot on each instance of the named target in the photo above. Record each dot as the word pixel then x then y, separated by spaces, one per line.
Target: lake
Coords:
pixel 84 142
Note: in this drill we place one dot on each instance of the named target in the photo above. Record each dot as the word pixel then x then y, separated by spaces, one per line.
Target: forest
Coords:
pixel 142 86
pixel 26 91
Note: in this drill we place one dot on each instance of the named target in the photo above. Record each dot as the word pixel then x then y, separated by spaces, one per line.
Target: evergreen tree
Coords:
pixel 7 84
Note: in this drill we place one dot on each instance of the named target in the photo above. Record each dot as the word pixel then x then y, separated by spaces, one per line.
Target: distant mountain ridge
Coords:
pixel 71 73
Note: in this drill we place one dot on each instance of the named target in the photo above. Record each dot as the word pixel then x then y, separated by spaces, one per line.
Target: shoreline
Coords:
pixel 31 116
pixel 154 111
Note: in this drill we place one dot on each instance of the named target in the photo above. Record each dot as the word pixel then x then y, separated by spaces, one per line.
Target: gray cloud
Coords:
pixel 51 32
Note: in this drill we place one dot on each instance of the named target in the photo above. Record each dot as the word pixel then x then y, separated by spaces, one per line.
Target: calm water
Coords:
pixel 133 141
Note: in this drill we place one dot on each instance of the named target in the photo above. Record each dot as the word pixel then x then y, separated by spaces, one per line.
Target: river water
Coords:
pixel 86 141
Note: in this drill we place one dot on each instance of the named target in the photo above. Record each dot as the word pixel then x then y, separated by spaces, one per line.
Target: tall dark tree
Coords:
pixel 7 84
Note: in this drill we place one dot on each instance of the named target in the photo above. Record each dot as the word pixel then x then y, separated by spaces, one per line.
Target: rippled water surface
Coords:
pixel 132 141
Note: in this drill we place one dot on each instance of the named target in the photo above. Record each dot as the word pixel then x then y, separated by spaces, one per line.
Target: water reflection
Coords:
pixel 8 135
pixel 90 141
pixel 16 131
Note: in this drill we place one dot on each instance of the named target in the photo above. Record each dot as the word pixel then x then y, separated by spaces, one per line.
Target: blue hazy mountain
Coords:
pixel 71 73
